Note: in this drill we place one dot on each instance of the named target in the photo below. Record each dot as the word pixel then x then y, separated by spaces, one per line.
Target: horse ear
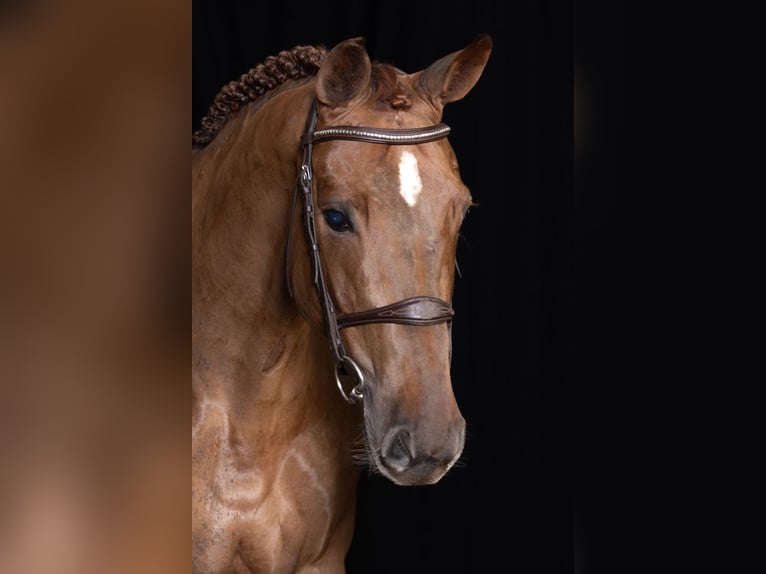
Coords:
pixel 344 74
pixel 450 78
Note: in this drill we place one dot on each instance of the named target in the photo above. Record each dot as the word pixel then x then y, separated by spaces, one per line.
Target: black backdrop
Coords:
pixel 594 376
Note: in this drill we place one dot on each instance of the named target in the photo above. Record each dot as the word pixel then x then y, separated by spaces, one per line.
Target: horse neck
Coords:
pixel 250 342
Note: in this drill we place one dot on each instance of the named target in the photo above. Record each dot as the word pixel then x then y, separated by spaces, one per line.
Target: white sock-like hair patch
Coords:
pixel 409 178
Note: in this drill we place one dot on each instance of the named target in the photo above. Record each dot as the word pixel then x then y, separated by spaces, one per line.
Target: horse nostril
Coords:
pixel 397 452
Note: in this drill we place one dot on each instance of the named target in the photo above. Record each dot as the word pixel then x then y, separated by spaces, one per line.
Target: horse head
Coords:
pixel 386 219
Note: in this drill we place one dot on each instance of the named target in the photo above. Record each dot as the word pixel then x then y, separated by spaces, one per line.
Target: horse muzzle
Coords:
pixel 410 456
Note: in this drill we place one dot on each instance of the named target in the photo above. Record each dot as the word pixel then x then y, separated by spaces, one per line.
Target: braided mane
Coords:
pixel 300 62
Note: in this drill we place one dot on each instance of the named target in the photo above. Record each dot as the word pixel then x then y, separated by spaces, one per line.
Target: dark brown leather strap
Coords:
pixel 420 311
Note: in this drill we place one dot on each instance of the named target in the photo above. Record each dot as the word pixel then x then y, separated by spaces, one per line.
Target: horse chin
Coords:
pixel 416 476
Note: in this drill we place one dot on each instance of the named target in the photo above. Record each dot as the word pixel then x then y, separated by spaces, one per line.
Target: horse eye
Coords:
pixel 337 220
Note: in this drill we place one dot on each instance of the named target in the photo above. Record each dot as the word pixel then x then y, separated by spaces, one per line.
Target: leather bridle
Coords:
pixel 419 310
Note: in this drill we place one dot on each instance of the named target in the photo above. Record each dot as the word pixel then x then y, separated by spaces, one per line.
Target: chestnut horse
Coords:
pixel 326 207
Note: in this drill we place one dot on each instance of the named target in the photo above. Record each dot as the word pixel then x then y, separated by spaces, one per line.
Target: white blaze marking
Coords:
pixel 409 178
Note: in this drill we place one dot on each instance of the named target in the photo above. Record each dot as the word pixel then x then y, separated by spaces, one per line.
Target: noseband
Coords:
pixel 420 310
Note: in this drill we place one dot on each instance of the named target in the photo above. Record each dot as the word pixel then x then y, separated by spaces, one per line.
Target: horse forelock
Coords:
pixel 387 88
pixel 296 64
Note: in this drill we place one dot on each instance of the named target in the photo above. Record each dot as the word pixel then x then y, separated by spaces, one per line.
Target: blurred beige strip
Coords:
pixel 94 449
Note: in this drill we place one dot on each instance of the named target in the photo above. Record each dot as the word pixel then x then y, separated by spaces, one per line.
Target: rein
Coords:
pixel 419 310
